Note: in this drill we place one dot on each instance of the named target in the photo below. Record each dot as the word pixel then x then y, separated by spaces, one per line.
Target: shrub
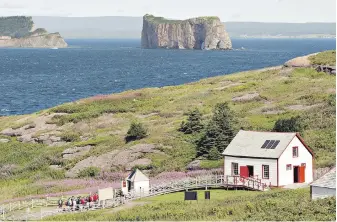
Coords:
pixel 89 172
pixel 70 136
pixel 193 123
pixel 136 132
pixel 219 131
pixel 293 124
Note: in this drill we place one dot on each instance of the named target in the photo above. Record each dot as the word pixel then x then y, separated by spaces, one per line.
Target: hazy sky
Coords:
pixel 227 10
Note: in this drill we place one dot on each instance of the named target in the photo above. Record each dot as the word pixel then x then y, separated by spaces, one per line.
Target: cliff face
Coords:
pixel 195 33
pixel 36 41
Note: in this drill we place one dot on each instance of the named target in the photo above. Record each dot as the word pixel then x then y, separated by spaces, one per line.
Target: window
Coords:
pixel 265 171
pixel 235 169
pixel 295 151
pixel 288 166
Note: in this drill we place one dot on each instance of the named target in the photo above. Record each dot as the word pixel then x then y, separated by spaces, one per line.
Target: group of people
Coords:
pixel 79 203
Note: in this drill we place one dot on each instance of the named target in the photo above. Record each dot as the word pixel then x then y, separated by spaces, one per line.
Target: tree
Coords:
pixel 293 124
pixel 214 154
pixel 136 132
pixel 193 123
pixel 219 131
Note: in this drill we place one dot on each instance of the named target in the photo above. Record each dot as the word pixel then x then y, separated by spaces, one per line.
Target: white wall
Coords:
pixel 257 163
pixel 287 176
pixel 322 192
pixel 142 187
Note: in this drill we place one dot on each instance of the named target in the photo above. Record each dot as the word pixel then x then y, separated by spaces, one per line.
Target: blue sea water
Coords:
pixel 35 79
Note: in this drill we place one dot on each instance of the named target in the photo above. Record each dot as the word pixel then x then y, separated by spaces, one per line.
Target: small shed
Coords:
pixel 324 186
pixel 136 182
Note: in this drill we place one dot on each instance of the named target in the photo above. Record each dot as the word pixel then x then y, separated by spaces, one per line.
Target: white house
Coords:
pixel 136 182
pixel 276 158
pixel 324 186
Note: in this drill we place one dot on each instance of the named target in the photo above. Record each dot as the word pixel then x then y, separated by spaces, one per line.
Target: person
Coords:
pixel 90 201
pixel 82 202
pixel 74 204
pixel 69 204
pixel 64 205
pixel 60 202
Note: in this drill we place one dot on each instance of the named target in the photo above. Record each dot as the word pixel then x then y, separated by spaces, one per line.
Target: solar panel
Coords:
pixel 265 144
pixel 270 144
pixel 275 144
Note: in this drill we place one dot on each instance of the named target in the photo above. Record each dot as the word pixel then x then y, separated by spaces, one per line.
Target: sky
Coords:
pixel 227 10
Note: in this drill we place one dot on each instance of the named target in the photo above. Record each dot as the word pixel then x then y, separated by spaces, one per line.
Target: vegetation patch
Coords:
pixel 324 58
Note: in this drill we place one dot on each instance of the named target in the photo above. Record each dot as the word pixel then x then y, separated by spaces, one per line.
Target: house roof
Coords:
pixel 136 176
pixel 328 180
pixel 249 143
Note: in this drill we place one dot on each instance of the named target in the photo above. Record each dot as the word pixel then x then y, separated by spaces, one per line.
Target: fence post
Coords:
pixel 10 206
pixel 32 203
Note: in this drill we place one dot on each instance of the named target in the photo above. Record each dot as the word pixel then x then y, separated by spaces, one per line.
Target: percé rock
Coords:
pixel 195 33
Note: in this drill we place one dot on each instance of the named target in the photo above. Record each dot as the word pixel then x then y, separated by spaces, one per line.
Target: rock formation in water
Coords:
pixel 18 31
pixel 196 33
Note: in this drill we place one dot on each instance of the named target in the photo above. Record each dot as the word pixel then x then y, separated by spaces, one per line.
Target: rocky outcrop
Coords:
pixel 196 33
pixel 43 40
pixel 75 152
pixel 302 61
pixel 118 159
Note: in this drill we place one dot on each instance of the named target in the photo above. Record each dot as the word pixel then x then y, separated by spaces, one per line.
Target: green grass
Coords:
pixel 162 20
pixel 224 205
pixel 209 164
pixel 324 58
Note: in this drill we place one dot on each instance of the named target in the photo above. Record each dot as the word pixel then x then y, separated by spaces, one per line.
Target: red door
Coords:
pixel 301 170
pixel 244 171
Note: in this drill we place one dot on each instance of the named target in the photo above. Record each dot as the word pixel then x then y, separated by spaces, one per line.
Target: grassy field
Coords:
pixel 224 205
pixel 104 121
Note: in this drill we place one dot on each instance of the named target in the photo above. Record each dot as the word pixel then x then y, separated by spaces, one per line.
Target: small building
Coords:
pixel 5 37
pixel 278 159
pixel 324 186
pixel 136 182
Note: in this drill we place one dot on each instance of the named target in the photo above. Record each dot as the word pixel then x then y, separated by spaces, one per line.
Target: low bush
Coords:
pixel 136 132
pixel 89 172
pixel 70 136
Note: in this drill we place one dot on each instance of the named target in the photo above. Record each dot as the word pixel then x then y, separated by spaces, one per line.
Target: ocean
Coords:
pixel 36 79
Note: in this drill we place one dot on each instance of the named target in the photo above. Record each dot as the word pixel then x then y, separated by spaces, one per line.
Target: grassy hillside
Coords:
pixel 294 205
pixel 103 122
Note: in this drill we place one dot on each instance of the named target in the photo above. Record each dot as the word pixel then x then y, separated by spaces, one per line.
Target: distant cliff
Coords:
pixel 18 31
pixel 196 33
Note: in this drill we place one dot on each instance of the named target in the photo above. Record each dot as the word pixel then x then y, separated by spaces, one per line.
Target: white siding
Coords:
pixel 287 176
pixel 257 163
pixel 142 187
pixel 322 192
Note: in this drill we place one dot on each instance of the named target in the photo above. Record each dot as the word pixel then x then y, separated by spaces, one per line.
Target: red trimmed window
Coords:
pixel 289 166
pixel 295 151
pixel 265 171
pixel 235 169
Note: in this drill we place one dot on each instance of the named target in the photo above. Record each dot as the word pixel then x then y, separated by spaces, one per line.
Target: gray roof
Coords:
pixel 248 144
pixel 137 175
pixel 327 180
